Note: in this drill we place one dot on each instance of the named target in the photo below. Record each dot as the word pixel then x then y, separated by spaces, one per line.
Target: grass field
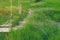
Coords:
pixel 41 25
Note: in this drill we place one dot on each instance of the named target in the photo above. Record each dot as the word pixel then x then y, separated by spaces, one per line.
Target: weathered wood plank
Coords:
pixel 4 29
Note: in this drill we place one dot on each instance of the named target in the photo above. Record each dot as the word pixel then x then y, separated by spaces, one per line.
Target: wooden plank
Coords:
pixel 4 29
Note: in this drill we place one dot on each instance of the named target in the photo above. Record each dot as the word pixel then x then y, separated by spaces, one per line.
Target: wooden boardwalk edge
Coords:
pixel 4 29
pixel 7 29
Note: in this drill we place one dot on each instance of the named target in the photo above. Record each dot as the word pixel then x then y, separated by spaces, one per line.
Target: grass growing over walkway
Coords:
pixel 37 27
pixel 42 25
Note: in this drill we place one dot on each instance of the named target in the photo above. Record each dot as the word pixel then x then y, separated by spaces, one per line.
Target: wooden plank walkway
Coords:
pixel 22 23
pixel 17 27
pixel 4 29
pixel 7 29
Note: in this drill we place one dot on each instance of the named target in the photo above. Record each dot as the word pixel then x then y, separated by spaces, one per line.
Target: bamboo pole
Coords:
pixel 11 14
pixel 20 9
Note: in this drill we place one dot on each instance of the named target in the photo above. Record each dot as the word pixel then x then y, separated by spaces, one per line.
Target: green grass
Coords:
pixel 42 25
pixel 37 27
pixel 4 16
pixel 18 18
pixel 4 13
pixel 3 35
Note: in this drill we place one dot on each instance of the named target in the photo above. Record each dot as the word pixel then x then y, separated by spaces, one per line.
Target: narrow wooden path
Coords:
pixel 24 21
pixel 17 27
